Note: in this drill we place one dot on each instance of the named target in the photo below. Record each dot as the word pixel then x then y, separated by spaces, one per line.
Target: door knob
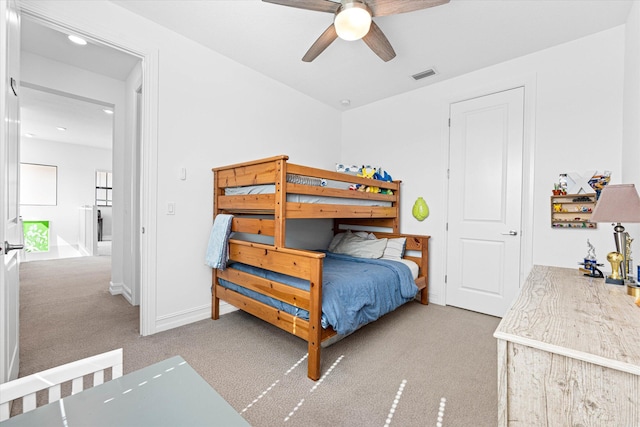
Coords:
pixel 510 233
pixel 9 247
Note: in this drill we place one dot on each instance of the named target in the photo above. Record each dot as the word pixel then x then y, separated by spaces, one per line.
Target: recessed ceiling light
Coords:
pixel 345 102
pixel 107 110
pixel 77 40
pixel 61 128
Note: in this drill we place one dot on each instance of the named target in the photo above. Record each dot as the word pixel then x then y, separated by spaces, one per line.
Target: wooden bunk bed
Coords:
pixel 265 213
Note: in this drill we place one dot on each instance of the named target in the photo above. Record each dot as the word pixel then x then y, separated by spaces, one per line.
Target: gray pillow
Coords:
pixel 335 241
pixel 356 246
pixel 338 238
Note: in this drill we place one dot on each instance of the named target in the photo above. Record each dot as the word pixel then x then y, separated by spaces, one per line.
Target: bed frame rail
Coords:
pixel 303 264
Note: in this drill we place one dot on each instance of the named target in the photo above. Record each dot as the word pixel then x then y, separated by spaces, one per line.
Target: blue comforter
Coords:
pixel 355 291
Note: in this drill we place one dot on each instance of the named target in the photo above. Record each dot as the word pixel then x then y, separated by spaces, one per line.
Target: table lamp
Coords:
pixel 617 204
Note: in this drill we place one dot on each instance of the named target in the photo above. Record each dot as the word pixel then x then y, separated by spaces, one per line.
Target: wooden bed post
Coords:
pixel 280 206
pixel 396 219
pixel 315 325
pixel 215 301
pixel 424 294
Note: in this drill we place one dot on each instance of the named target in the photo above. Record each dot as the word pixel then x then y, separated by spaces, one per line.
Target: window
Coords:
pixel 104 188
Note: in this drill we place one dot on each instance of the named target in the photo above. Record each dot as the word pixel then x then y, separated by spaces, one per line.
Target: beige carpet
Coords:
pixel 419 366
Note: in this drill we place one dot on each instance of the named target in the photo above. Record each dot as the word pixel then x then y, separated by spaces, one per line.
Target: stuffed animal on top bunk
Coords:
pixel 372 173
pixel 382 175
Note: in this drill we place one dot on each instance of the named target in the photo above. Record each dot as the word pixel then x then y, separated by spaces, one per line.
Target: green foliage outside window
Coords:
pixel 36 236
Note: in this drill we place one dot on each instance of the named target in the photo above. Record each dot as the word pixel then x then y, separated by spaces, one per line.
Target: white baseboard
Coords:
pixel 121 289
pixel 174 320
pixel 83 251
pixel 115 288
pixel 436 299
pixel 127 294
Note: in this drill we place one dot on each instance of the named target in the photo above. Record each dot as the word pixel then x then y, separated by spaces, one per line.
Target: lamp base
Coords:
pixel 614 281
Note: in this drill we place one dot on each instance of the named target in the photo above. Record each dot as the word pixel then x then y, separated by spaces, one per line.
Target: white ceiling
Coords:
pixel 43 110
pixel 454 39
pixel 95 57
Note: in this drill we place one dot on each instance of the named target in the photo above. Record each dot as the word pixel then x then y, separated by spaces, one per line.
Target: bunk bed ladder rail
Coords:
pixel 272 170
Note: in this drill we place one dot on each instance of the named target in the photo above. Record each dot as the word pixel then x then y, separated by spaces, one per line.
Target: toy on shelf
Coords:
pixel 373 174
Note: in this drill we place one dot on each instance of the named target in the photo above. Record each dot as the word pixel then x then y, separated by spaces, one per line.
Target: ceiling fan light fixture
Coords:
pixel 352 21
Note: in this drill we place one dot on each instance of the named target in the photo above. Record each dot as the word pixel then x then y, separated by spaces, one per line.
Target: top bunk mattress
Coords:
pixel 306 198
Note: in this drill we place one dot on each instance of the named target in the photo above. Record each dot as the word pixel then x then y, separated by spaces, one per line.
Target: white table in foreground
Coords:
pixel 168 393
pixel 569 353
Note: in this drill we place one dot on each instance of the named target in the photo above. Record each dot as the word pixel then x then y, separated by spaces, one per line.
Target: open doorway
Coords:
pixel 66 147
pixel 135 214
pixel 103 80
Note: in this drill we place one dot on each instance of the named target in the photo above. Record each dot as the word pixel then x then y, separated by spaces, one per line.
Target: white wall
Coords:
pixel 631 124
pixel 77 166
pixel 577 113
pixel 213 112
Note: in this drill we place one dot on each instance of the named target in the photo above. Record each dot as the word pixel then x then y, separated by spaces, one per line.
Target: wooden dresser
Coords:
pixel 569 353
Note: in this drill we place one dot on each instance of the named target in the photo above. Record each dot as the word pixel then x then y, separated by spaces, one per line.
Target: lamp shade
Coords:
pixel 617 203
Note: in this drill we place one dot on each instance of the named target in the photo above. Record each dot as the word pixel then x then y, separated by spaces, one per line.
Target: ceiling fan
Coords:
pixel 352 21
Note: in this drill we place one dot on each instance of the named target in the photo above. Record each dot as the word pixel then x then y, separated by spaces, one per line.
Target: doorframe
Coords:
pixel 529 83
pixel 104 34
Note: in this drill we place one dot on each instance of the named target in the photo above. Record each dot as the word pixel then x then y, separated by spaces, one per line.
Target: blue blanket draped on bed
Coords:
pixel 355 291
pixel 218 247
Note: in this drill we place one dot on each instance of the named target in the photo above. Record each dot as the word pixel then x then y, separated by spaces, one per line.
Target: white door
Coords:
pixel 10 224
pixel 484 212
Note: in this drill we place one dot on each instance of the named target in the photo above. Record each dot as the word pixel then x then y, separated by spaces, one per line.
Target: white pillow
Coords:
pixel 395 248
pixel 356 246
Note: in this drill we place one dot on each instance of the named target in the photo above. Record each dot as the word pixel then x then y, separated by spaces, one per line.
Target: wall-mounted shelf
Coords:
pixel 573 210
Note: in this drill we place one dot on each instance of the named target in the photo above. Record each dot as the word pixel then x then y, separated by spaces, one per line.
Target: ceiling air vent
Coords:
pixel 423 74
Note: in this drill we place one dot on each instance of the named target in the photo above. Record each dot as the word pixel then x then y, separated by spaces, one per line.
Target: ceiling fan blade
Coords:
pixel 393 7
pixel 317 5
pixel 321 44
pixel 378 43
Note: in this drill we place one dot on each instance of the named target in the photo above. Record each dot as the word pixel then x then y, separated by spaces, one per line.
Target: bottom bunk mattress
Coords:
pixel 355 291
